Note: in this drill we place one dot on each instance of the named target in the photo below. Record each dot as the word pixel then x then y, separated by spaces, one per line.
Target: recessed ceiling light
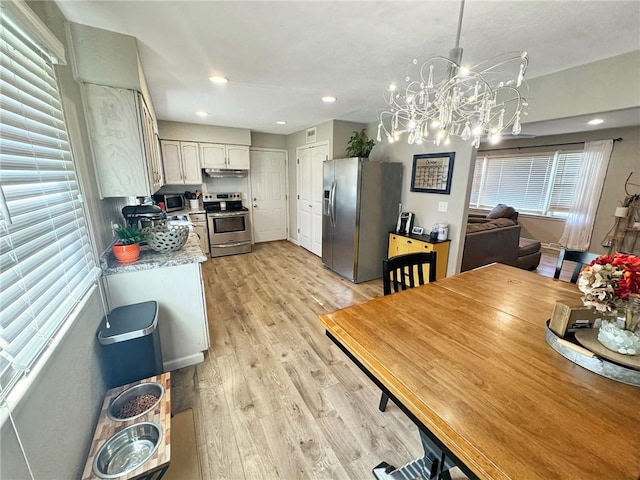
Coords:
pixel 202 113
pixel 595 121
pixel 329 99
pixel 281 122
pixel 218 79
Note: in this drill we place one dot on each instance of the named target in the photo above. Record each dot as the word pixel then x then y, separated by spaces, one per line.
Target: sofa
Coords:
pixel 495 237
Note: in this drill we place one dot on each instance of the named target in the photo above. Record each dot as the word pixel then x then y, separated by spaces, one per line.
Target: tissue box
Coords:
pixel 571 316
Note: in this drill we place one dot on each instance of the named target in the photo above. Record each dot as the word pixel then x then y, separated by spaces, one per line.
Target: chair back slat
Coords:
pixel 402 271
pixel 580 258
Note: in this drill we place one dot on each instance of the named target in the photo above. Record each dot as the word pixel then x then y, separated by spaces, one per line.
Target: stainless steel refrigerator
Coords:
pixel 360 208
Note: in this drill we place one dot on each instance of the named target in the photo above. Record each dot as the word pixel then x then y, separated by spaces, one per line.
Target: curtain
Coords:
pixel 579 225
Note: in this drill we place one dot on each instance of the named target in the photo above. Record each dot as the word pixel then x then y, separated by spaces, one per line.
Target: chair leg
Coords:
pixel 383 402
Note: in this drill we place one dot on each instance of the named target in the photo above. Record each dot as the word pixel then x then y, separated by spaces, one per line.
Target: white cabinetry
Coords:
pixel 181 162
pixel 182 314
pixel 217 155
pixel 123 140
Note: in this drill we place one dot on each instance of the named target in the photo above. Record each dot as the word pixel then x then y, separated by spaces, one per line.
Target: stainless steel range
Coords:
pixel 228 221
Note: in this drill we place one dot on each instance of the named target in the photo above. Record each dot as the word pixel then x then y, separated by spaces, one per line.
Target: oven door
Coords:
pixel 229 233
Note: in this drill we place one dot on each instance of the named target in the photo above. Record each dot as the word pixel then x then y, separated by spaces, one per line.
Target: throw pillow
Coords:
pixel 501 211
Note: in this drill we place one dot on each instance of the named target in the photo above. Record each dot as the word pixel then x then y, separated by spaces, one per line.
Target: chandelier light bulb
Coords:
pixel 379 136
pixel 469 102
pixel 495 139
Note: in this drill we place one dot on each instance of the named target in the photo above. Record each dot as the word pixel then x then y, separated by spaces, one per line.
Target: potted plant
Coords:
pixel 359 145
pixel 127 247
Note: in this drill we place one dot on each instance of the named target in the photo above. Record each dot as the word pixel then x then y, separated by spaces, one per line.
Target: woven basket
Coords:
pixel 167 238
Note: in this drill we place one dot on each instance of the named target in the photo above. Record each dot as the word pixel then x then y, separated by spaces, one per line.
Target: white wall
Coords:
pixel 425 205
pixel 610 84
pixel 193 132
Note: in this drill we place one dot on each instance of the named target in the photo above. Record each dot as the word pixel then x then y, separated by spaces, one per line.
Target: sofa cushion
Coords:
pixel 501 211
pixel 490 225
pixel 528 246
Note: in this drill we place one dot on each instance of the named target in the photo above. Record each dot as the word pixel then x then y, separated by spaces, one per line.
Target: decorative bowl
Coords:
pixel 167 238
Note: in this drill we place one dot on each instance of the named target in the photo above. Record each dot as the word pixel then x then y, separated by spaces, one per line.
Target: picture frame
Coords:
pixel 417 230
pixel 310 135
pixel 432 172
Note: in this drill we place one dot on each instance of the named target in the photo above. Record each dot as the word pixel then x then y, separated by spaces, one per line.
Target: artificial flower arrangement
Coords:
pixel 611 284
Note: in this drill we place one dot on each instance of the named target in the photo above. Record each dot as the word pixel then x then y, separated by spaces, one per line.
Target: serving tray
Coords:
pixel 592 361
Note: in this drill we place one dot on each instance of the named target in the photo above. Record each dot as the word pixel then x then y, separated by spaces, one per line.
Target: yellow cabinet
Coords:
pixel 401 244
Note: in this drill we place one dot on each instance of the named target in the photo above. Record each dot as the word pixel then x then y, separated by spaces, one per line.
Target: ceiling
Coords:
pixel 281 57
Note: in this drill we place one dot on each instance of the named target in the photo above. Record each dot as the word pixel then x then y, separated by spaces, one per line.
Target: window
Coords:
pixel 540 184
pixel 46 262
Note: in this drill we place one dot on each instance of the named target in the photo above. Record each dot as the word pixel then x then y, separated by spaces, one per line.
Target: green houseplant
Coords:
pixel 360 145
pixel 127 247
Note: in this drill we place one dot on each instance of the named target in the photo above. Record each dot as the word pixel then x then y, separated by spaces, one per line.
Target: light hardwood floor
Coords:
pixel 274 398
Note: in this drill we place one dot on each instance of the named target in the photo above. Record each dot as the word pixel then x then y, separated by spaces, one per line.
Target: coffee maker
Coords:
pixel 142 216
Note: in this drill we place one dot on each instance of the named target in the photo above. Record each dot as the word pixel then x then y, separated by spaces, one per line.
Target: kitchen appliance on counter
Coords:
pixel 405 222
pixel 172 202
pixel 228 224
pixel 143 215
pixel 360 208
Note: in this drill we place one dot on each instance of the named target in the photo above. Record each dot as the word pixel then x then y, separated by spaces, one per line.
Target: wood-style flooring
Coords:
pixel 274 398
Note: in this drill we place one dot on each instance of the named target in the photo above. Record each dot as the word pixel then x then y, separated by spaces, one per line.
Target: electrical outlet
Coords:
pixel 443 206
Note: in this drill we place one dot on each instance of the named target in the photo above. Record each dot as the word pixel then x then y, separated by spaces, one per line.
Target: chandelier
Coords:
pixel 441 98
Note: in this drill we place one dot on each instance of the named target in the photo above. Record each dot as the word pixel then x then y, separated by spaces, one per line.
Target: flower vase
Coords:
pixel 619 334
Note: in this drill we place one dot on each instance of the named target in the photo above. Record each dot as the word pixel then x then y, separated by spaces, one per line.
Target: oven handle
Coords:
pixel 228 245
pixel 227 214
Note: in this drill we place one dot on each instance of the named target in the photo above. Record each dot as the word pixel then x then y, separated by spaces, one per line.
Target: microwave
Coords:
pixel 172 202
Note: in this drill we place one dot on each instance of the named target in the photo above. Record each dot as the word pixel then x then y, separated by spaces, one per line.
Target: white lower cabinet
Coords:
pixel 182 312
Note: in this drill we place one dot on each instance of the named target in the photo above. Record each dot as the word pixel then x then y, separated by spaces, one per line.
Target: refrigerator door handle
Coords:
pixel 332 203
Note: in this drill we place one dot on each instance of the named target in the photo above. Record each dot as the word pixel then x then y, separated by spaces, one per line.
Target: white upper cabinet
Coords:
pixel 213 155
pixel 123 142
pixel 181 162
pixel 217 155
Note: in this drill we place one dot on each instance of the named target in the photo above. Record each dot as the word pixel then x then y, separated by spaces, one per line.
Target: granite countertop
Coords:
pixel 150 259
pixel 106 428
pixel 187 211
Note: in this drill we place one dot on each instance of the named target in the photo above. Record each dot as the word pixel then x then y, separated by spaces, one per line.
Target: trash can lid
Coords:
pixel 129 322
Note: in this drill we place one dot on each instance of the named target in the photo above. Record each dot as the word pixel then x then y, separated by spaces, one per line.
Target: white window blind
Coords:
pixel 46 262
pixel 541 183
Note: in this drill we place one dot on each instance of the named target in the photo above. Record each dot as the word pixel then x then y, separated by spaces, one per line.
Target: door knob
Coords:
pixel 255 206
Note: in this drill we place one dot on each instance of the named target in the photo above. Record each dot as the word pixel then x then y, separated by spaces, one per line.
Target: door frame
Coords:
pixel 322 143
pixel 286 186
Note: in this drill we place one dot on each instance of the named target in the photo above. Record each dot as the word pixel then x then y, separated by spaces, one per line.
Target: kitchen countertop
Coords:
pixel 106 428
pixel 187 211
pixel 191 252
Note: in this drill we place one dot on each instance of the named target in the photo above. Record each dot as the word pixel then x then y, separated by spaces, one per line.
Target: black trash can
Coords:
pixel 131 344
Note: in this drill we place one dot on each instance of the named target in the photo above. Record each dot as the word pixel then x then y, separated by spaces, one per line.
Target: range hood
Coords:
pixel 224 173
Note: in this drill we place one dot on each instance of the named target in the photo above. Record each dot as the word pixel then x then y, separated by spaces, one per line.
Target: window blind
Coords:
pixel 46 261
pixel 541 183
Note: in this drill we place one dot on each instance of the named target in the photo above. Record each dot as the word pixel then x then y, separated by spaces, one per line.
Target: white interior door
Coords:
pixel 319 155
pixel 310 196
pixel 268 187
pixel 304 197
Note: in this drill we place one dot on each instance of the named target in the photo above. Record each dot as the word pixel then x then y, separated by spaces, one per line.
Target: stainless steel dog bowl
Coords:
pixel 127 450
pixel 150 388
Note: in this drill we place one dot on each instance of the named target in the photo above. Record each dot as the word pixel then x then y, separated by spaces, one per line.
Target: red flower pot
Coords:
pixel 126 253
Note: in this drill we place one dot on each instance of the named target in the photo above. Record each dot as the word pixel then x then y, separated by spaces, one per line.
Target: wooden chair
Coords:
pixel 402 272
pixel 581 259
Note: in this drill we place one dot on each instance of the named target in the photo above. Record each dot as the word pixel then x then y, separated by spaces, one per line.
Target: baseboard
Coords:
pixel 183 362
pixel 294 241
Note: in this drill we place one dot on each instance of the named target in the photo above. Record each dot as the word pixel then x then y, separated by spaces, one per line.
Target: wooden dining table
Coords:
pixel 466 358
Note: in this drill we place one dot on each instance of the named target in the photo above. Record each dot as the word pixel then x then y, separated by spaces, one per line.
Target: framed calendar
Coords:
pixel 432 172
